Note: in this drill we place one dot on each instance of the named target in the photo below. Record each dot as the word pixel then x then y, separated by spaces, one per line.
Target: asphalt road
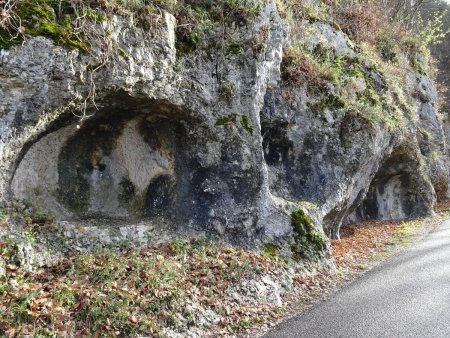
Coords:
pixel 408 296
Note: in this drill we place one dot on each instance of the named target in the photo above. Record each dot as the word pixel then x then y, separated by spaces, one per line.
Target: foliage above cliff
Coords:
pixel 74 24
pixel 367 51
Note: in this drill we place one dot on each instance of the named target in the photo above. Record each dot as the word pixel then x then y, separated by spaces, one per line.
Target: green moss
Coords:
pixel 271 250
pixel 309 242
pixel 234 47
pixel 246 124
pixel 227 90
pixel 301 222
pixel 39 18
pixel 332 102
pixel 55 19
pixel 189 43
pixel 123 53
pixel 320 68
pixel 417 66
pixel 226 121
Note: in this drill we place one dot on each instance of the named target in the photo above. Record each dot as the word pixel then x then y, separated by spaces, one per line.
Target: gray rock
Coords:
pixel 2 268
pixel 265 288
pixel 32 257
pixel 217 149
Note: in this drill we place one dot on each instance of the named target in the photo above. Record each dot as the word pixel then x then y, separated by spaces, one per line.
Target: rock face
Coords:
pixel 218 147
pixel 440 53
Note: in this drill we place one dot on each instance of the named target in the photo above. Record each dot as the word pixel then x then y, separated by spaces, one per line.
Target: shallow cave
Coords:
pixel 398 191
pixel 124 163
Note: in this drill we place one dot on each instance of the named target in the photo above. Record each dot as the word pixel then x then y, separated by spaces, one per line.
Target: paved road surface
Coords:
pixel 408 296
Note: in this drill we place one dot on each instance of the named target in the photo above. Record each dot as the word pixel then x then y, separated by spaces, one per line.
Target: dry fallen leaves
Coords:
pixel 118 293
pixel 361 241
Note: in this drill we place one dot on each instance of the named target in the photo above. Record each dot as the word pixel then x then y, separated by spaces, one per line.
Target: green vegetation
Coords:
pixel 227 90
pixel 3 217
pixel 25 212
pixel 234 47
pixel 69 23
pixel 332 102
pixel 379 94
pixel 246 124
pixel 226 121
pixel 231 120
pixel 310 243
pixel 135 292
pixel 8 247
pixel 43 17
pixel 271 250
pixel 388 48
pixel 123 53
pixel 386 52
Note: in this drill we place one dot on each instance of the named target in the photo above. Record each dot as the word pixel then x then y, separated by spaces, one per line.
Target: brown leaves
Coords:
pixel 360 242
pixel 139 290
pixel 84 303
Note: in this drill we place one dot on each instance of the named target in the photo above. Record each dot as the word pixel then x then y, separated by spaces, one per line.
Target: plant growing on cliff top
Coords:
pixel 20 19
pixel 76 25
pixel 371 85
pixel 299 67
pixel 67 21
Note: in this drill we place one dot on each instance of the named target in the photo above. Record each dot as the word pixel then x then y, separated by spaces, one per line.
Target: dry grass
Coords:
pixel 298 68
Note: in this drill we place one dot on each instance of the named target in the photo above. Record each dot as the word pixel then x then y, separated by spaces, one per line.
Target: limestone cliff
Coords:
pixel 230 139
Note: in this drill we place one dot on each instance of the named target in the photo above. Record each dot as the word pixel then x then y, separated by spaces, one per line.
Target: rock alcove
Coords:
pixel 121 164
pixel 398 190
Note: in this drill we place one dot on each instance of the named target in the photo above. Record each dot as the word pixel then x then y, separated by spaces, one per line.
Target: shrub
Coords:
pixel 299 68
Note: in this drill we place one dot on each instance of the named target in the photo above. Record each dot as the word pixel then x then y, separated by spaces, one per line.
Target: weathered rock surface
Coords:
pixel 217 148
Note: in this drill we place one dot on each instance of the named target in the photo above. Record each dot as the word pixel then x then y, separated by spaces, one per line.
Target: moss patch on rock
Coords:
pixel 271 250
pixel 309 242
pixel 246 124
pixel 52 19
